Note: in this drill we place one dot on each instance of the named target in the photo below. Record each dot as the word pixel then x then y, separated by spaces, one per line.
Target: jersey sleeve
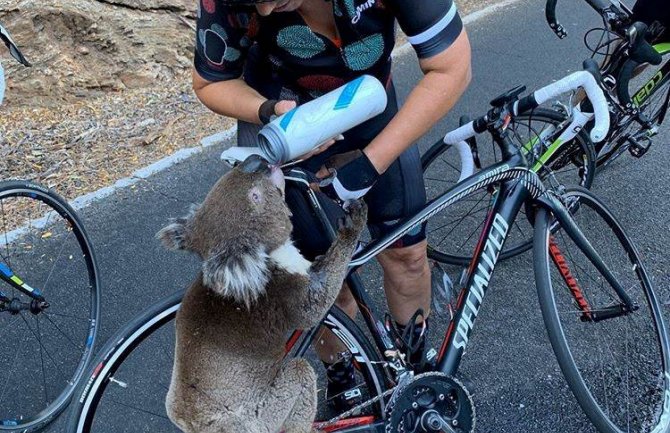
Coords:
pixel 222 41
pixel 431 26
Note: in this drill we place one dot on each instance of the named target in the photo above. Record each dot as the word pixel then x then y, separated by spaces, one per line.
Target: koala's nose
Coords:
pixel 254 164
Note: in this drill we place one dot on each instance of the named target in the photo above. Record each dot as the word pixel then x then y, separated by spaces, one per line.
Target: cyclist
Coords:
pixel 651 11
pixel 256 59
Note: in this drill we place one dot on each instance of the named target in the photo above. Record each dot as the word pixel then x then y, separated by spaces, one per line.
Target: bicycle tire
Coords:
pixel 21 239
pixel 119 349
pixel 574 340
pixel 653 98
pixel 521 239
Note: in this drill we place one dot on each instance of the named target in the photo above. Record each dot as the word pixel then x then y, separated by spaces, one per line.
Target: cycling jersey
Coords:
pixel 308 62
pixel 649 11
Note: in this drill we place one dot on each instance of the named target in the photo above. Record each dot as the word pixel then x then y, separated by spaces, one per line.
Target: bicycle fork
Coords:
pixel 15 305
pixel 589 312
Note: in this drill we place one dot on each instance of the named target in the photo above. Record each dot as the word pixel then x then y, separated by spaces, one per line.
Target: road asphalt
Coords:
pixel 517 384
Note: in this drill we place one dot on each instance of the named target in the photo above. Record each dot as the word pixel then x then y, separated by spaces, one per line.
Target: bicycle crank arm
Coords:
pixel 13 280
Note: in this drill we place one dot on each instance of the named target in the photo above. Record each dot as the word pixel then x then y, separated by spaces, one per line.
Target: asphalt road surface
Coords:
pixel 516 381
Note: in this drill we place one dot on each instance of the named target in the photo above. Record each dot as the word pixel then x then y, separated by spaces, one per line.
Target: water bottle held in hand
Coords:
pixel 302 129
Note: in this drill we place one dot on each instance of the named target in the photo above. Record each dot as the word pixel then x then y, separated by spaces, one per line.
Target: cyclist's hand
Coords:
pixel 347 176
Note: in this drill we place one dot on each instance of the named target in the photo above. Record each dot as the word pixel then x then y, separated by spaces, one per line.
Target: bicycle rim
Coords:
pixel 453 233
pixel 616 367
pixel 128 383
pixel 45 349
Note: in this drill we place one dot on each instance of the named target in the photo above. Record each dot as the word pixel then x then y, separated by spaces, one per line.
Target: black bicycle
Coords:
pixel 636 76
pixel 49 299
pixel 597 300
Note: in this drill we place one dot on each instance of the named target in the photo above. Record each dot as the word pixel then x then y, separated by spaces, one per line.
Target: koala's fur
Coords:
pixel 229 374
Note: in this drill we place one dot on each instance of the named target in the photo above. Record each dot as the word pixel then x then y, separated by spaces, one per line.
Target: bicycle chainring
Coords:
pixel 433 402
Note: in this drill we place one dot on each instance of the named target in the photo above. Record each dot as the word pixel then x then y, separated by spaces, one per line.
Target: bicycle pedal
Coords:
pixel 636 148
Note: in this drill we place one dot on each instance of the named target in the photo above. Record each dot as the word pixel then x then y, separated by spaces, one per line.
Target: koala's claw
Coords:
pixel 358 211
pixel 357 216
pixel 345 223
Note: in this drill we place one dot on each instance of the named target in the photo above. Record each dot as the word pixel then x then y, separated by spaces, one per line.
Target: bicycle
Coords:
pixel 557 147
pixel 121 386
pixel 49 298
pixel 636 77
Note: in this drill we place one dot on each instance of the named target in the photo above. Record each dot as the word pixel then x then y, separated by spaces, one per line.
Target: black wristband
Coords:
pixel 267 110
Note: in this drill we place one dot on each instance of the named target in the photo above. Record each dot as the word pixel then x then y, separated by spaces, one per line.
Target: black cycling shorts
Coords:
pixel 649 11
pixel 399 192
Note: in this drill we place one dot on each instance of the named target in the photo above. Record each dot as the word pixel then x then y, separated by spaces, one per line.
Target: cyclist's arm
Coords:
pixel 233 98
pixel 447 75
pixel 222 42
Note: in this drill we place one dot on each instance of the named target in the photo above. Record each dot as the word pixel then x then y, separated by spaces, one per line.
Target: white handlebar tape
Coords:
pixel 461 134
pixel 467 162
pixel 595 94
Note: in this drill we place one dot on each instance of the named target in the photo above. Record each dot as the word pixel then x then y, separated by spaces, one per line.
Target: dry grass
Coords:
pixel 83 146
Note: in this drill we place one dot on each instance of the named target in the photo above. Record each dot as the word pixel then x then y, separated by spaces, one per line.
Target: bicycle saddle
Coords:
pixel 235 155
pixel 507 97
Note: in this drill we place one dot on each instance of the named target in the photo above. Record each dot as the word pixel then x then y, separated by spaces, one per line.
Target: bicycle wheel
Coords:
pixel 649 92
pixel 127 384
pixel 452 235
pixel 46 344
pixel 615 364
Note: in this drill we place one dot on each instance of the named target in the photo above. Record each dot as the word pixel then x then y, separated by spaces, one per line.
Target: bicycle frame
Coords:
pixel 518 184
pixel 569 132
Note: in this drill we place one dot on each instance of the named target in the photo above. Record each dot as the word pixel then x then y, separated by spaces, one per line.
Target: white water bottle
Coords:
pixel 305 127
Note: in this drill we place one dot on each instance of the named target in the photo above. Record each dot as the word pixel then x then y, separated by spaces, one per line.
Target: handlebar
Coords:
pixel 580 79
pixel 603 7
pixel 639 51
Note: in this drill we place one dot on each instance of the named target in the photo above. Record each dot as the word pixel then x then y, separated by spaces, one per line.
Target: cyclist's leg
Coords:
pixel 401 193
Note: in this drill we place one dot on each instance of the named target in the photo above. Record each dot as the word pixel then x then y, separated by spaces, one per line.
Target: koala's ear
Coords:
pixel 176 235
pixel 239 270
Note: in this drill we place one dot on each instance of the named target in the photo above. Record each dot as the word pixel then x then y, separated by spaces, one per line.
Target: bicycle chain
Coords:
pixel 353 410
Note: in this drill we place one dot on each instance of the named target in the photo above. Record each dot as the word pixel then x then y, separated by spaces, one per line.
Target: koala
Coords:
pixel 229 373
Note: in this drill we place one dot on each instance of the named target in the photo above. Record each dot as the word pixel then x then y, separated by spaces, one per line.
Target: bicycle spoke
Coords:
pixel 39 341
pixel 44 380
pixel 67 337
pixel 19 348
pixel 51 313
pixel 60 252
pixel 137 409
pixel 456 169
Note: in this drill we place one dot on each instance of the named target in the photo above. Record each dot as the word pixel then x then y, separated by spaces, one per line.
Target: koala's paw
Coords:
pixel 358 211
pixel 357 216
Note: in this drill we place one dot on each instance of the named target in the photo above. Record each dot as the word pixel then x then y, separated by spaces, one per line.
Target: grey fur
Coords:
pixel 229 373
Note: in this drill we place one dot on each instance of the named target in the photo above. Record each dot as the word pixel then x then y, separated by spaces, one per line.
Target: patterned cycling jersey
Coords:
pixel 283 46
